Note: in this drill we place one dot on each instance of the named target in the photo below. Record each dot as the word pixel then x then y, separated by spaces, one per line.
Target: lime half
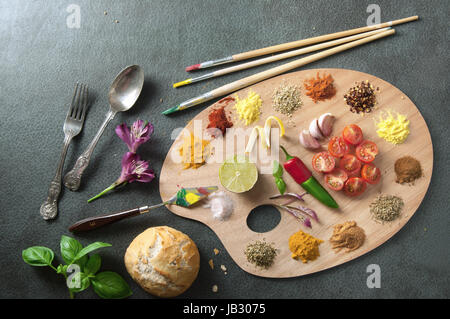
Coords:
pixel 238 174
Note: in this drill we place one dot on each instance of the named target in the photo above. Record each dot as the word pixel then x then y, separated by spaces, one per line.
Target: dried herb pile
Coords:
pixel 286 99
pixel 260 254
pixel 386 208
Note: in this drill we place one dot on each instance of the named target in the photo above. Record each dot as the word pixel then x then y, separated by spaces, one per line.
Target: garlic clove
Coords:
pixel 314 129
pixel 325 123
pixel 308 141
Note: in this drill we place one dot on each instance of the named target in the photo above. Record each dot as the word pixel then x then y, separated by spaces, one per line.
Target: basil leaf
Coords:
pixel 89 248
pixel 281 185
pixel 38 256
pixel 110 285
pixel 93 265
pixel 59 270
pixel 78 282
pixel 70 247
pixel 277 169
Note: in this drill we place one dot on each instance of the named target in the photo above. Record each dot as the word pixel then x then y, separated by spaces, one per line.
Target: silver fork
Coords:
pixel 72 127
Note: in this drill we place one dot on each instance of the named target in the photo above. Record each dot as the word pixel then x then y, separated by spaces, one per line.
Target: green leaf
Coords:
pixel 70 247
pixel 38 256
pixel 110 285
pixel 83 282
pixel 93 264
pixel 281 185
pixel 89 248
pixel 59 270
pixel 277 170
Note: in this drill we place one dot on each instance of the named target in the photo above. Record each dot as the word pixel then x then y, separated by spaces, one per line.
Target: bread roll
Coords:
pixel 163 261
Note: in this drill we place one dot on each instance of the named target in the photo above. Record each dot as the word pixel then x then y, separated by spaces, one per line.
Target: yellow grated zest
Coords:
pixel 248 109
pixel 393 130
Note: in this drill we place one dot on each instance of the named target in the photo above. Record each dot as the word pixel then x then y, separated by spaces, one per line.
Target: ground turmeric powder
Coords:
pixel 193 151
pixel 304 246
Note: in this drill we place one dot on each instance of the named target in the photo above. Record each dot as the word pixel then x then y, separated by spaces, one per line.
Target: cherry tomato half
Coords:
pixel 337 147
pixel 355 186
pixel 352 134
pixel 366 151
pixel 350 164
pixel 323 162
pixel 370 173
pixel 335 179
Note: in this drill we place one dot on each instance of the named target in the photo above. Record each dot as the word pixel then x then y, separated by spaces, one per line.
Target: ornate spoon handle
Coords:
pixel 49 209
pixel 72 179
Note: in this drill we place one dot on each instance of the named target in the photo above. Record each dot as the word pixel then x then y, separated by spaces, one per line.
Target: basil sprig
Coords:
pixel 278 173
pixel 80 270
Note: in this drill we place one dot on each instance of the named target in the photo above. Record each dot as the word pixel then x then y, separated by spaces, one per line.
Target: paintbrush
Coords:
pixel 296 44
pixel 277 57
pixel 239 84
pixel 185 197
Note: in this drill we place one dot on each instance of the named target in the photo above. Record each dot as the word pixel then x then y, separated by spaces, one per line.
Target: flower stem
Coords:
pixel 111 187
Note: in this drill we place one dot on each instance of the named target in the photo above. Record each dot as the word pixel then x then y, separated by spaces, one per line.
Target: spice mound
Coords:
pixel 193 151
pixel 286 99
pixel 304 246
pixel 248 109
pixel 260 254
pixel 220 204
pixel 320 89
pixel 408 169
pixel 347 235
pixel 361 97
pixel 218 120
pixel 393 130
pixel 386 208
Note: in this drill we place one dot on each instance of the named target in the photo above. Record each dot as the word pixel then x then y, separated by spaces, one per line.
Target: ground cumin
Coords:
pixel 319 89
pixel 347 235
pixel 304 246
pixel 408 169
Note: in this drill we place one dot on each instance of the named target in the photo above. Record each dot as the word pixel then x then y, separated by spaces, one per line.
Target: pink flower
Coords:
pixel 133 170
pixel 139 133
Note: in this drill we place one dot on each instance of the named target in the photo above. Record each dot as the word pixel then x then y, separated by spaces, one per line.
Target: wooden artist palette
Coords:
pixel 234 232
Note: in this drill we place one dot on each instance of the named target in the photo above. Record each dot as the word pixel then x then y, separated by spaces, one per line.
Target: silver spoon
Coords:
pixel 123 93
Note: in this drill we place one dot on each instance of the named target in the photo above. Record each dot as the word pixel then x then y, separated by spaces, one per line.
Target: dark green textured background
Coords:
pixel 41 58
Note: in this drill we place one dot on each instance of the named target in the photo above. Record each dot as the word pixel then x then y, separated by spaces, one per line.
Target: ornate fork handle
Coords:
pixel 72 179
pixel 49 209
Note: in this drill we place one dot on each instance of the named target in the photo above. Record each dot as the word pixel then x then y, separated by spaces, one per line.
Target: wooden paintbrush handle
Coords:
pixel 252 79
pixel 322 38
pixel 98 221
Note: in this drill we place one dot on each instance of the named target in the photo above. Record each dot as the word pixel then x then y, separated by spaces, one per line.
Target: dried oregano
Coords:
pixel 286 99
pixel 261 254
pixel 386 208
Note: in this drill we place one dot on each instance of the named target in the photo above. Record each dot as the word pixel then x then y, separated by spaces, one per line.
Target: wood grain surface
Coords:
pixel 234 232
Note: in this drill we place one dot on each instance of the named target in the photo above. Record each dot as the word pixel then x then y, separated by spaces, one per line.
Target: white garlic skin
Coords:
pixel 314 129
pixel 308 141
pixel 325 123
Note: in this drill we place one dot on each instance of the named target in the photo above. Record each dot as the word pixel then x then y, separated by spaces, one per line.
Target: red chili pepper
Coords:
pixel 303 176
